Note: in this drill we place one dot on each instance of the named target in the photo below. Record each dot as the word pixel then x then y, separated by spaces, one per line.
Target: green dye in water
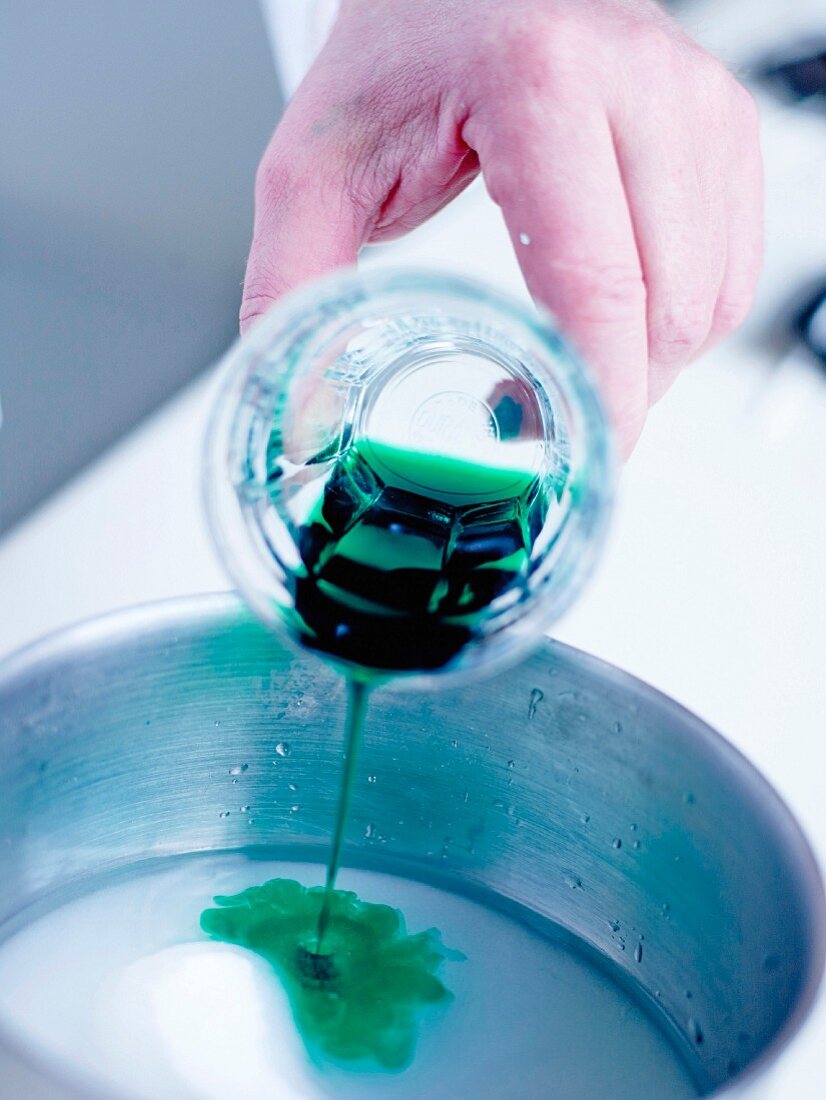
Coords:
pixel 392 578
pixel 356 980
pixel 360 999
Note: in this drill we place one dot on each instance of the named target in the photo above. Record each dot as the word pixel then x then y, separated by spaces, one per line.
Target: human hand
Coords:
pixel 625 159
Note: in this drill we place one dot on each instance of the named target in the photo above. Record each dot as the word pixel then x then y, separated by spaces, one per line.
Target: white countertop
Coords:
pixel 712 586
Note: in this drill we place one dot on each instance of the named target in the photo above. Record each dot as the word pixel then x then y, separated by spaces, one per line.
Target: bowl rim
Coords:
pixel 227 608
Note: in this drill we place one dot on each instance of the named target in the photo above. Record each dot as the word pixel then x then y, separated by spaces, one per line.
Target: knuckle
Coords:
pixel 650 44
pixel 566 43
pixel 364 180
pixel 272 180
pixel 248 314
pixel 609 292
pixel 544 49
pixel 660 45
pixel 675 332
pixel 253 306
pixel 261 289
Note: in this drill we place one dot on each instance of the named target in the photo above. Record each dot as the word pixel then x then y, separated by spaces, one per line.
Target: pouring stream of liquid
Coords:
pixel 357 695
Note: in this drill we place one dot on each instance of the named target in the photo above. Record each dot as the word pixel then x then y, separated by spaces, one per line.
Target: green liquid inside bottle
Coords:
pixel 404 553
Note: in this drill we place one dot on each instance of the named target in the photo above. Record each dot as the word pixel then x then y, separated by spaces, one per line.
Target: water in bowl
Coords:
pixel 120 985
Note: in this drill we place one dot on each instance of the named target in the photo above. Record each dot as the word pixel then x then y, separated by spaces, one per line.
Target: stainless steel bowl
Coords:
pixel 116 738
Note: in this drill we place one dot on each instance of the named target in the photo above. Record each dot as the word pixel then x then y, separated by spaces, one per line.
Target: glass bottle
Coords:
pixel 409 472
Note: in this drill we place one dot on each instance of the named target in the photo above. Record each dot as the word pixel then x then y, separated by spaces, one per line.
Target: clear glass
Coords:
pixel 408 471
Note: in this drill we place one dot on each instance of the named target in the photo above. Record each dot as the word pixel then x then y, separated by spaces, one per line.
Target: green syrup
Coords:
pixel 359 1000
pixel 396 574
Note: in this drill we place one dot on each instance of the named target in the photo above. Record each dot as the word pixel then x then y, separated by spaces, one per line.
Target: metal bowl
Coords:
pixel 116 739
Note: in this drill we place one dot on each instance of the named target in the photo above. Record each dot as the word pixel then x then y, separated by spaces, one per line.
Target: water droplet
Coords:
pixel 638 953
pixel 292 786
pixel 658 993
pixel 635 844
pixel 238 769
pixel 524 238
pixel 243 809
pixel 370 831
pixel 250 820
pixel 616 842
pixel 224 813
pixel 149 721
pixel 294 809
pixel 617 727
pixel 454 744
pixel 537 695
pixel 234 782
pixel 511 763
pixel 586 818
pixel 614 925
pixel 665 907
pixel 467 796
pixel 217 723
pixel 633 827
pixel 695 1031
pixel 282 749
pixel 371 779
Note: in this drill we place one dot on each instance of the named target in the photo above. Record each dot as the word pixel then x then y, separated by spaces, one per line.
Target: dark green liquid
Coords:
pixel 356 712
pixel 398 580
